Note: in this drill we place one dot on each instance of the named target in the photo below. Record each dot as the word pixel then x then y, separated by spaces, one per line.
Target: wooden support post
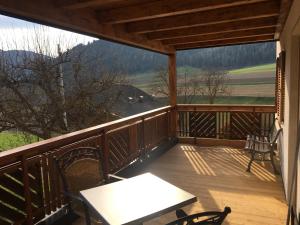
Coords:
pixel 173 92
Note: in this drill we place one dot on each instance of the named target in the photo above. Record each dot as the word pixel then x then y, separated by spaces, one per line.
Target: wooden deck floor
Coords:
pixel 217 177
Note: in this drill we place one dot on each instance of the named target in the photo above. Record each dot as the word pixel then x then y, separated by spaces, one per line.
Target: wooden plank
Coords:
pixel 172 91
pixel 237 13
pixel 236 41
pixel 11 214
pixel 133 141
pixel 29 214
pixel 172 79
pixel 96 4
pixel 221 36
pixel 83 21
pixel 10 198
pixel 226 108
pixel 157 9
pixel 215 28
pixel 105 155
pixel 15 184
pixel 45 170
pixel 210 142
pixel 285 6
pixel 53 183
pixel 79 4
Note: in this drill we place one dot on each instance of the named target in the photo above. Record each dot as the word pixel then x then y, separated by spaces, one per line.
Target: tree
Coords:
pixel 209 84
pixel 214 83
pixel 162 87
pixel 187 88
pixel 33 98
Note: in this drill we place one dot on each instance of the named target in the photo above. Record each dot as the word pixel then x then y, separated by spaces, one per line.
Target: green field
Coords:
pixel 9 140
pixel 267 68
pixel 255 81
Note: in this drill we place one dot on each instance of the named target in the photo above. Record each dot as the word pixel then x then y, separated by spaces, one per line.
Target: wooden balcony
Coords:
pixel 30 188
pixel 218 177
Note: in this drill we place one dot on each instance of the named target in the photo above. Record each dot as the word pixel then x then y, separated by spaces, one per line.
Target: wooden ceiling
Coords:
pixel 162 25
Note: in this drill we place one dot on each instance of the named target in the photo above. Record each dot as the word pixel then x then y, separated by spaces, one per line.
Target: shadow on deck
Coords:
pixel 218 177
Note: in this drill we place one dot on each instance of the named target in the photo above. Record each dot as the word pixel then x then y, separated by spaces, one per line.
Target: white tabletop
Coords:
pixel 136 199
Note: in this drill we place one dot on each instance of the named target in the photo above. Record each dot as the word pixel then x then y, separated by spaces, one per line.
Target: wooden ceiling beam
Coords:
pixel 285 6
pixel 163 8
pixel 80 4
pixel 220 36
pixel 214 29
pixel 235 41
pixel 85 22
pixel 236 13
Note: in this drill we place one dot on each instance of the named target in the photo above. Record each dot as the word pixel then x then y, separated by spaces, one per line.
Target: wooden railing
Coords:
pixel 29 183
pixel 232 122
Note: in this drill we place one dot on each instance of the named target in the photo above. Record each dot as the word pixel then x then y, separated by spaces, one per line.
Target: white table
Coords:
pixel 135 200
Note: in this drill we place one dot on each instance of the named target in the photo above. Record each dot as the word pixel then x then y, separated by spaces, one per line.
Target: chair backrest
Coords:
pixel 204 218
pixel 80 169
pixel 274 136
pixel 271 130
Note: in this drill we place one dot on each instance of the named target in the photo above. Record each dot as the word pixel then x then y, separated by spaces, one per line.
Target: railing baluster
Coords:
pixel 27 194
pixel 105 155
pixel 45 169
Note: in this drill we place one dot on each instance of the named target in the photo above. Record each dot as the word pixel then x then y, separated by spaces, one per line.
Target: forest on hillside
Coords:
pixel 132 60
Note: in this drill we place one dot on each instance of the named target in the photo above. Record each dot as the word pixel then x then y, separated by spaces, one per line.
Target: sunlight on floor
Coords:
pixel 222 158
pixel 199 164
pixel 257 169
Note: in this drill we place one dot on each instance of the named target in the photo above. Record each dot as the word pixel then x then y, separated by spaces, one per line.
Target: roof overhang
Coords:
pixel 163 26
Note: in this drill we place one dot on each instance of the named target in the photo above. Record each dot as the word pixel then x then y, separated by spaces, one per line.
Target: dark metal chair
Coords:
pixel 260 147
pixel 79 169
pixel 263 135
pixel 204 218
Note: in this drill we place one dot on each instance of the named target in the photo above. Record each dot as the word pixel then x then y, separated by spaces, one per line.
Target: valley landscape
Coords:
pixel 248 85
pixel 250 70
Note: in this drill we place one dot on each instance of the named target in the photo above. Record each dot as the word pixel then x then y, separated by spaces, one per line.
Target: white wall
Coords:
pixel 289 41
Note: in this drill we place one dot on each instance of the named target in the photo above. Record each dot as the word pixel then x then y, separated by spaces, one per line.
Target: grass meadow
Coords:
pixel 13 139
pixel 256 81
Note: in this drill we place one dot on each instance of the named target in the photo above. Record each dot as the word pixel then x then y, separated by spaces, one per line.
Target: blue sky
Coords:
pixel 20 34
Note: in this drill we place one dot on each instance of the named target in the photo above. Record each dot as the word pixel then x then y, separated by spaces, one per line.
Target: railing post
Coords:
pixel 105 158
pixel 27 194
pixel 143 138
pixel 133 139
pixel 173 92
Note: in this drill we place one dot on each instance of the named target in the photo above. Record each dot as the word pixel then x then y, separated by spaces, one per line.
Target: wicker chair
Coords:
pixel 204 218
pixel 80 169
